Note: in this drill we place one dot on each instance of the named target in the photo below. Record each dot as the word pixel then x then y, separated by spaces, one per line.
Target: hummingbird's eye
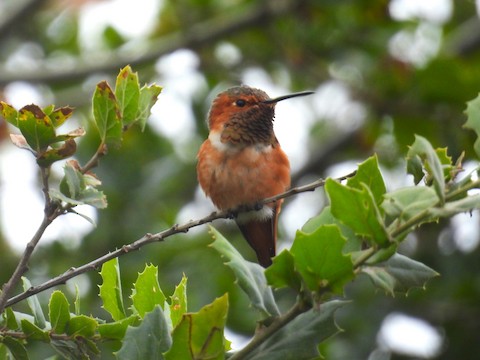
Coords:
pixel 240 103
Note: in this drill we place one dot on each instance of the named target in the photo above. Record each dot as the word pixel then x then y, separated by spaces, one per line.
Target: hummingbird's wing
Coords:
pixel 262 236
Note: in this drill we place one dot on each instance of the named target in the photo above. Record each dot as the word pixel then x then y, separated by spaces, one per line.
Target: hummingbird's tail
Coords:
pixel 261 234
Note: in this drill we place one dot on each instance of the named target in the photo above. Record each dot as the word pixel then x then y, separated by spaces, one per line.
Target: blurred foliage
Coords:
pixel 300 45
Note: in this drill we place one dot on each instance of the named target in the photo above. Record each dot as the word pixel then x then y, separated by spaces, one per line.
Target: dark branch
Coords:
pixel 150 238
pixel 197 36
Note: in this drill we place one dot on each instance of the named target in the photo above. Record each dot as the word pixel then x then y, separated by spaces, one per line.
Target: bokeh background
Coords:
pixel 381 70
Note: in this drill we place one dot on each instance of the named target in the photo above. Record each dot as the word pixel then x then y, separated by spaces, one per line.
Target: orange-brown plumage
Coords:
pixel 242 163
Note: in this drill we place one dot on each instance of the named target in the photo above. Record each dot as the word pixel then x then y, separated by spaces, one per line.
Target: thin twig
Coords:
pixel 298 308
pixel 198 35
pixel 50 213
pixel 150 238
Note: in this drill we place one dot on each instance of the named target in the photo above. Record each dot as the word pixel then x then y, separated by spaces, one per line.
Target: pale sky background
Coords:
pixel 178 74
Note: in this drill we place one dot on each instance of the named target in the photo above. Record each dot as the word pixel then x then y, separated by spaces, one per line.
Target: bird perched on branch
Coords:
pixel 242 163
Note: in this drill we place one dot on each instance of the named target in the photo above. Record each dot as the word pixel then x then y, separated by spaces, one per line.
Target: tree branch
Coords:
pixel 51 211
pixel 150 238
pixel 199 35
pixel 298 308
pixel 14 14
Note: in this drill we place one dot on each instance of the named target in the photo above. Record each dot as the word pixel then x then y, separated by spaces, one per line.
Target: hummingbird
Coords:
pixel 242 163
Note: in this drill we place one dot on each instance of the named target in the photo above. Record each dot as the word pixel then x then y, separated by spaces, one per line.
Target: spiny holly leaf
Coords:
pixel 117 329
pixel 399 274
pixel 422 150
pixel 111 289
pixel 82 325
pixel 34 305
pixel 282 272
pixel 147 293
pixel 147 341
pixel 127 92
pixel 300 338
pixel 368 173
pixel 33 332
pixel 319 259
pixel 200 335
pixel 358 210
pixel 148 98
pixel 58 312
pixel 9 113
pixel 451 208
pixel 178 301
pixel 68 349
pixel 10 319
pixel 107 115
pixel 76 302
pixel 354 243
pixel 250 276
pixel 408 202
pixel 37 127
pixel 16 348
pixel 473 120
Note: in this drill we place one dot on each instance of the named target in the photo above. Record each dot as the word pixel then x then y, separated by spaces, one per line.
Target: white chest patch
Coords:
pixel 253 151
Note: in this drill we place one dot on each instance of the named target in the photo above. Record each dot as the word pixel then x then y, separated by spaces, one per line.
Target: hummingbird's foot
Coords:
pixel 232 213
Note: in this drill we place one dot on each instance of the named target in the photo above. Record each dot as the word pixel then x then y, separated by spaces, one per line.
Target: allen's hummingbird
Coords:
pixel 242 163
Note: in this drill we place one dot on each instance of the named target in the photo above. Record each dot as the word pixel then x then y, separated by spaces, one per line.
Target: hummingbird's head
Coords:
pixel 245 115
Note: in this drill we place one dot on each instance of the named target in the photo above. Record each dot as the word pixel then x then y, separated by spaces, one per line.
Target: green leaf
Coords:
pixel 147 341
pixel 178 301
pixel 147 293
pixel 408 202
pixel 59 312
pixel 76 303
pixel 50 156
pixel 33 332
pixel 358 210
pixel 77 188
pixel 422 149
pixel 73 350
pixel 127 92
pixel 111 289
pixel 399 274
pixel 451 208
pixel 36 127
pixel 107 115
pixel 70 135
pixel 148 98
pixel 299 339
pixel 473 120
pixel 117 329
pixel 200 335
pixel 282 272
pixel 82 325
pixel 34 305
pixel 368 173
pixel 16 348
pixel 354 243
pixel 250 276
pixel 9 113
pixel 60 115
pixel 11 320
pixel 319 259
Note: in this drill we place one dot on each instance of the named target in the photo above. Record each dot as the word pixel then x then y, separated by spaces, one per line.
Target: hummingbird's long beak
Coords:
pixel 289 96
